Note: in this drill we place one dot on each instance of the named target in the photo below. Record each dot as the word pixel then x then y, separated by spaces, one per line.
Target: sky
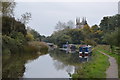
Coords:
pixel 45 15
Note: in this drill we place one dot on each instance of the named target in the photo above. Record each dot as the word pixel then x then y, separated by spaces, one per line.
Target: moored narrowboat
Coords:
pixel 85 51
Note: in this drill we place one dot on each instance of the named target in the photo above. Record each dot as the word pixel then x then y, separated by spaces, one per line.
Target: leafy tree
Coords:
pixel 9 25
pixel 113 38
pixel 19 37
pixel 29 37
pixel 20 27
pixel 60 37
pixel 11 44
pixel 90 42
pixel 76 36
pixel 8 8
pixel 35 34
pixel 86 29
pixel 109 23
pixel 94 28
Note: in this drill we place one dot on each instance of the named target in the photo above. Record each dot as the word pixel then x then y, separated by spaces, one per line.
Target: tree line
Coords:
pixel 16 35
pixel 104 33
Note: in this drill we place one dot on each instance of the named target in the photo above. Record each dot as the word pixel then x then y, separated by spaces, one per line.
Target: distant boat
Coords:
pixel 51 46
pixel 69 48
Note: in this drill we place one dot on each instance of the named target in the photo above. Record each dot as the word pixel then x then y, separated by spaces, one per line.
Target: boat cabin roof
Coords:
pixel 85 46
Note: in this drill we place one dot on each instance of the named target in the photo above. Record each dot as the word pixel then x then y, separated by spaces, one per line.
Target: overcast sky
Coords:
pixel 45 15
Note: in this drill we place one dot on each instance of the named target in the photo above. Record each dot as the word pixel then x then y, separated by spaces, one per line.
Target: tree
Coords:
pixel 86 29
pixel 29 37
pixel 60 25
pixel 70 24
pixel 113 38
pixel 25 18
pixel 109 23
pixel 76 36
pixel 9 24
pixel 94 28
pixel 8 8
pixel 35 34
pixel 63 25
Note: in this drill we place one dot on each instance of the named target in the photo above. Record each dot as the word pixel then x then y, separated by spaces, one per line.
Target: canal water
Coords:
pixel 46 67
pixel 55 64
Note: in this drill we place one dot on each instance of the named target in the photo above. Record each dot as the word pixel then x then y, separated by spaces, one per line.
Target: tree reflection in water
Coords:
pixel 13 65
pixel 66 58
pixel 67 61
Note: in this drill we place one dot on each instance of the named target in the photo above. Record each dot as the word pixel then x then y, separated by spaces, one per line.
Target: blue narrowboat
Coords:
pixel 85 51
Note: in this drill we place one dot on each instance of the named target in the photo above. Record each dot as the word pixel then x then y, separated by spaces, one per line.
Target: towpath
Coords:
pixel 112 71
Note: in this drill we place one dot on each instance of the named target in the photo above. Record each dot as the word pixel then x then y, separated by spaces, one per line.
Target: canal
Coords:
pixel 54 64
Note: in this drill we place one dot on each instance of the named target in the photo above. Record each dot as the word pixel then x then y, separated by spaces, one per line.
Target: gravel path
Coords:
pixel 112 71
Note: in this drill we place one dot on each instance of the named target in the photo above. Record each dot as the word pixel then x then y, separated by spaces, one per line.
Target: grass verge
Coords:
pixel 95 68
pixel 106 49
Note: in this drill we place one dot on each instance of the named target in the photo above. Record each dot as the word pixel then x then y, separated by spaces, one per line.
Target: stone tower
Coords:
pixel 82 23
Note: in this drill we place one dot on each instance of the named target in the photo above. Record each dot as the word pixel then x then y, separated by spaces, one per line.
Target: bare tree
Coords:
pixel 25 18
pixel 63 25
pixel 60 25
pixel 70 24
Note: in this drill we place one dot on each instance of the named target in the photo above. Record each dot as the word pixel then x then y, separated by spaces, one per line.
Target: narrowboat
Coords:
pixel 70 48
pixel 85 51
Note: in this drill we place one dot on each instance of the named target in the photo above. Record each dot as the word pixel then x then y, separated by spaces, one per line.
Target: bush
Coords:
pixel 29 37
pixel 36 46
pixel 11 44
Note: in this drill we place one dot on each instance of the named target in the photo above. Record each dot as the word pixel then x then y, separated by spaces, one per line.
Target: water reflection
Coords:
pixel 46 67
pixel 66 58
pixel 56 64
pixel 13 65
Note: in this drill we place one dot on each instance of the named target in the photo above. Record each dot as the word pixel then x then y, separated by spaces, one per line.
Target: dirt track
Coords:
pixel 112 71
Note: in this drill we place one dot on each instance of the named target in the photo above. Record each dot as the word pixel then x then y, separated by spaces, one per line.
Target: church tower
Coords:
pixel 82 23
pixel 77 22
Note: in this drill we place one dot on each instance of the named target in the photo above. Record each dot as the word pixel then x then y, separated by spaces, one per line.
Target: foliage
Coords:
pixel 10 25
pixel 109 23
pixel 14 34
pixel 86 29
pixel 94 28
pixel 11 45
pixel 90 42
pixel 86 35
pixel 76 36
pixel 36 35
pixel 112 38
pixel 36 46
pixel 19 37
pixel 29 37
pixel 8 8
pixel 60 38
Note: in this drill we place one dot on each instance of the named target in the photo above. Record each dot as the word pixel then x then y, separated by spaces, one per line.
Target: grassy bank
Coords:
pixel 95 68
pixel 106 49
